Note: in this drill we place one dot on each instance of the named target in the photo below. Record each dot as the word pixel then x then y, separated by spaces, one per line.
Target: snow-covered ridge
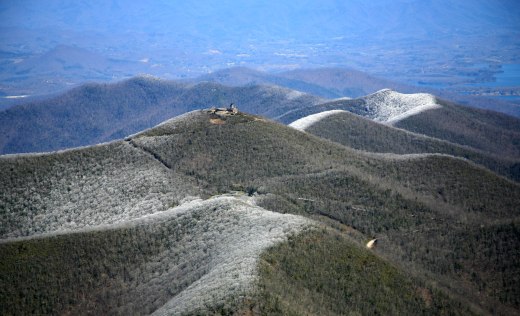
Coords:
pixel 384 106
pixel 114 183
pixel 305 122
pixel 217 249
pixel 236 231
pixel 387 106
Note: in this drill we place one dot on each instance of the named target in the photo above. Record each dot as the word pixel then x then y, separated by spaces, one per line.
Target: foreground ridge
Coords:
pixel 219 214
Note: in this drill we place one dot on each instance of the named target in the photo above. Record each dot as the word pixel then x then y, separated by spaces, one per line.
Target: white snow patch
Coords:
pixel 387 106
pixel 305 122
pixel 293 94
pixel 15 96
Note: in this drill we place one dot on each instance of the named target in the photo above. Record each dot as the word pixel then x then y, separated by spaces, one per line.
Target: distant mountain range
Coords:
pixel 220 213
pixel 98 113
pixel 324 82
pixel 65 67
pixel 341 82
pixel 49 48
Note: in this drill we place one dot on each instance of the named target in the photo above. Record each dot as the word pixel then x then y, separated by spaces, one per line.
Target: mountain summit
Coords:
pixel 389 107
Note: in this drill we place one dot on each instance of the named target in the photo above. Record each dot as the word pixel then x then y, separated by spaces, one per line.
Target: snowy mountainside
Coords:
pixel 361 133
pixel 243 231
pixel 425 114
pixel 196 255
pixel 387 106
pixel 384 106
pixel 211 252
pixel 82 188
pixel 307 121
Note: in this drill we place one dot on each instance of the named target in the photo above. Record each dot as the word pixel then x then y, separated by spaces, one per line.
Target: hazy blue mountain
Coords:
pixel 324 82
pixel 95 113
pixel 342 82
pixel 429 42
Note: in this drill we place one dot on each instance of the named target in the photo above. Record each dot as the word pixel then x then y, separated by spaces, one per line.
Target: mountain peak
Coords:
pixel 388 106
pixel 194 120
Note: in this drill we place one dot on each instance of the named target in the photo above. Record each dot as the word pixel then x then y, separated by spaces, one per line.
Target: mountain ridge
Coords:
pixel 464 123
pixel 282 170
pixel 115 111
pixel 97 113
pixel 345 82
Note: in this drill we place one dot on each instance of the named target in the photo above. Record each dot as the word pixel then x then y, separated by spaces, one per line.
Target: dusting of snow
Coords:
pixel 293 94
pixel 393 156
pixel 112 183
pixel 387 106
pixel 216 250
pixel 305 122
pixel 239 232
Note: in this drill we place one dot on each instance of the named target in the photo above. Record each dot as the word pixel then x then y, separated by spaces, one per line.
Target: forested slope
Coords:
pixel 446 228
pixel 96 113
pixel 360 133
